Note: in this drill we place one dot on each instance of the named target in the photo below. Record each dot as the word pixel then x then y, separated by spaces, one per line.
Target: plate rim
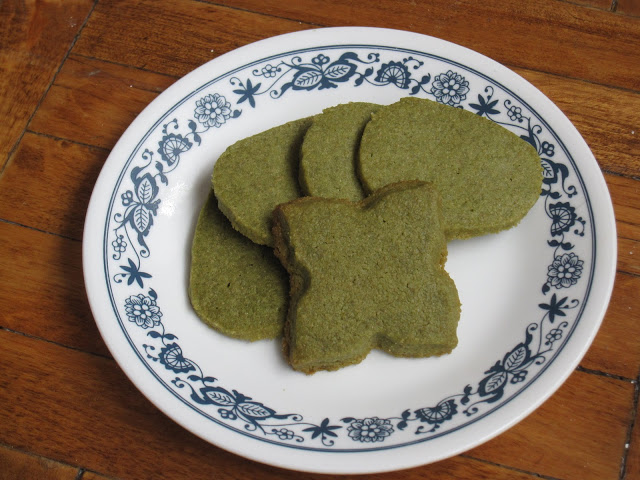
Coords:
pixel 144 386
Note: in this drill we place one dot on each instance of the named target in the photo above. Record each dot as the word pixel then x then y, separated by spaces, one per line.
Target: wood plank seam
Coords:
pixel 507 467
pixel 622 237
pixel 221 5
pixel 120 64
pixel 38 456
pixel 34 337
pixel 605 374
pixel 46 90
pixel 61 139
pixel 508 65
pixel 618 174
pixel 632 422
pixel 9 222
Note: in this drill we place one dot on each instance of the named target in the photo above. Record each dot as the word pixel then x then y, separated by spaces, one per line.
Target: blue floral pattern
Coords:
pixel 143 311
pixel 565 270
pixel 138 197
pixel 370 430
pixel 450 88
pixel 213 110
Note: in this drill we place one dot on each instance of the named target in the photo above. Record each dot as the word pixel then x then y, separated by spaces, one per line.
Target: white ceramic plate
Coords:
pixel 533 297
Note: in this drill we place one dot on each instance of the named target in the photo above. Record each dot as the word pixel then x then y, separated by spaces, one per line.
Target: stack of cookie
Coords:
pixel 358 204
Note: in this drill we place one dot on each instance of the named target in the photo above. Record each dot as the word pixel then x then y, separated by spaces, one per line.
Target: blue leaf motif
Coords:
pixel 307 79
pixel 146 189
pixel 547 169
pixel 254 410
pixel 141 218
pixel 494 383
pixel 515 358
pixel 338 71
pixel 218 396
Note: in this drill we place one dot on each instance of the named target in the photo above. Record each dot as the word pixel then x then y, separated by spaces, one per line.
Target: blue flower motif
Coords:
pixel 323 430
pixel 515 113
pixel 227 414
pixel 248 92
pixel 554 307
pixel 396 73
pixel 142 310
pixel 127 198
pixel 284 433
pixel 269 71
pixel 485 107
pixel 171 357
pixel 370 430
pixel 563 217
pixel 548 149
pixel 134 274
pixel 119 245
pixel 519 376
pixel 171 146
pixel 212 110
pixel 450 88
pixel 565 271
pixel 553 335
pixel 440 413
pixel 320 60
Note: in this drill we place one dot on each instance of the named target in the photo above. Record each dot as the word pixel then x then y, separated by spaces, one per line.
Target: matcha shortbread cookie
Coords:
pixel 488 177
pixel 366 275
pixel 329 152
pixel 237 287
pixel 257 173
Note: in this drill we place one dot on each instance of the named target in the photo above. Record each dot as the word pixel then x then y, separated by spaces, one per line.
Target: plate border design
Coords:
pixel 324 429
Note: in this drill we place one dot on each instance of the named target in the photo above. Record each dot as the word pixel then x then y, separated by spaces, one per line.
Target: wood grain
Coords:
pixel 601 4
pixel 48 183
pixel 577 432
pixel 633 457
pixel 67 410
pixel 97 476
pixel 42 291
pixel 34 38
pixel 105 98
pixel 114 83
pixel 625 195
pixel 628 7
pixel 549 36
pixel 628 253
pixel 185 33
pixel 111 417
pixel 590 107
pixel 616 348
pixel 16 465
pixel 108 410
pixel 93 101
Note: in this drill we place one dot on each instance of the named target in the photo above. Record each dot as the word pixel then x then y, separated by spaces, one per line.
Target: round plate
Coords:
pixel 532 297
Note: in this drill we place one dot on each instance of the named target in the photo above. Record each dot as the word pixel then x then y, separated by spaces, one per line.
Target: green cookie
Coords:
pixel 366 275
pixel 488 177
pixel 237 287
pixel 257 173
pixel 329 152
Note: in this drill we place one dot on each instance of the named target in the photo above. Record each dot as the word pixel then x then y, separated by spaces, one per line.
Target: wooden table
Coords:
pixel 75 73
